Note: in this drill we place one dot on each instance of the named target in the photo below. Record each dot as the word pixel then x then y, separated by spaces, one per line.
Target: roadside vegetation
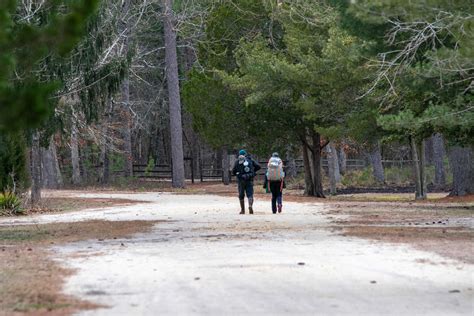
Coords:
pixel 31 281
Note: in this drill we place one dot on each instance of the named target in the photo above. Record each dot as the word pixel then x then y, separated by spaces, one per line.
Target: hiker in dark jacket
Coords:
pixel 275 181
pixel 245 169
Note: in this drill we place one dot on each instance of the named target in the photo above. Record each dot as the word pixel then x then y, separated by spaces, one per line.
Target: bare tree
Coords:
pixel 426 33
pixel 127 133
pixel 291 170
pixel 461 161
pixel 171 61
pixel 438 160
pixel 225 166
pixel 35 169
pixel 51 174
pixel 333 166
pixel 106 143
pixel 75 159
pixel 375 158
pixel 342 158
pixel 418 157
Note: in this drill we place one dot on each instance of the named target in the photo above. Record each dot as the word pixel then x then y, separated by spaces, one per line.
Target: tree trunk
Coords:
pixel 375 158
pixel 333 166
pixel 126 132
pixel 429 154
pixel 105 174
pixel 218 156
pixel 35 169
pixel 174 97
pixel 225 167
pixel 422 162
pixel 317 174
pixel 195 152
pixel 76 171
pixel 50 173
pixel 438 161
pixel 308 177
pixel 418 155
pixel 84 166
pixel 342 159
pixel 461 162
pixel 291 170
pixel 54 153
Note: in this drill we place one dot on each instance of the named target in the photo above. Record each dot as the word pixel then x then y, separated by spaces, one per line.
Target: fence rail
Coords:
pixel 208 172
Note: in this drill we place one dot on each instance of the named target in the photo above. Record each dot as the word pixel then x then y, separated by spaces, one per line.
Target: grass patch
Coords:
pixel 454 243
pixel 72 204
pixel 31 281
pixel 20 235
pixel 384 197
pixel 440 228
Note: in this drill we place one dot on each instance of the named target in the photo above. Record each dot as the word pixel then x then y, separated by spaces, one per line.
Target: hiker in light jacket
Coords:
pixel 245 169
pixel 275 181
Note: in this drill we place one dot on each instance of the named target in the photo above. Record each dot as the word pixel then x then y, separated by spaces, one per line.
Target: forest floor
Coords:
pixel 189 252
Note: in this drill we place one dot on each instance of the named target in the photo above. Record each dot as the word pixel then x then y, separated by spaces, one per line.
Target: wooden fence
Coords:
pixel 211 173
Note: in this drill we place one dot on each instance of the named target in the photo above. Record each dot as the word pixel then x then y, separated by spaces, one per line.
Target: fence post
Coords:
pixel 192 170
pixel 200 168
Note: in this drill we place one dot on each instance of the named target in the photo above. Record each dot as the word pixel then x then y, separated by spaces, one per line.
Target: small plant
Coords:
pixel 149 167
pixel 117 162
pixel 10 204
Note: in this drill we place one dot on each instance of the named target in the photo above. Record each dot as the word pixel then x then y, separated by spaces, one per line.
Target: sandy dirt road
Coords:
pixel 205 259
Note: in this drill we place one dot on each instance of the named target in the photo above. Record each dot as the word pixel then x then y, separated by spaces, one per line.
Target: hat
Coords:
pixel 242 152
pixel 275 154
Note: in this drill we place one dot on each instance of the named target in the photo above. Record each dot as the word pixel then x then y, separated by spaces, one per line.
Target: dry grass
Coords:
pixel 30 281
pixel 455 243
pixel 443 229
pixel 70 204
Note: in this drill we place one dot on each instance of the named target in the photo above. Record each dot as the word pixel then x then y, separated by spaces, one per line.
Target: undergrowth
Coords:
pixel 10 204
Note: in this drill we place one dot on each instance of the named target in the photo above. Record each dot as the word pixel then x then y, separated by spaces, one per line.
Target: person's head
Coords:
pixel 242 152
pixel 276 155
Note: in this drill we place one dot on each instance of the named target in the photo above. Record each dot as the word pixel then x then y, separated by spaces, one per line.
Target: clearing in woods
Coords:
pixel 166 253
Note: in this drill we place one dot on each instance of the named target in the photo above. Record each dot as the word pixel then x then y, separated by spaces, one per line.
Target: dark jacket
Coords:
pixel 239 169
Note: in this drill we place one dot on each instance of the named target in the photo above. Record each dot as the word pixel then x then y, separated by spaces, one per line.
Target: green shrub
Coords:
pixel 150 166
pixel 10 204
pixel 13 169
pixel 117 162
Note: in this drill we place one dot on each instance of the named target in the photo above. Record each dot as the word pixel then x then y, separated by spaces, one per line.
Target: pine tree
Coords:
pixel 428 73
pixel 24 97
pixel 316 71
pixel 13 170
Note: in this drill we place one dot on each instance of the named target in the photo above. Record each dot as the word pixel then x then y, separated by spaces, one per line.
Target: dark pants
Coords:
pixel 245 187
pixel 276 188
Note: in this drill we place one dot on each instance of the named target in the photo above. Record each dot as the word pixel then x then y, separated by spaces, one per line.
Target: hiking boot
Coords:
pixel 279 208
pixel 242 207
pixel 251 206
pixel 250 210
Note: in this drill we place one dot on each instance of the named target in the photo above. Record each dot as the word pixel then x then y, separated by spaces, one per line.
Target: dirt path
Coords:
pixel 203 258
